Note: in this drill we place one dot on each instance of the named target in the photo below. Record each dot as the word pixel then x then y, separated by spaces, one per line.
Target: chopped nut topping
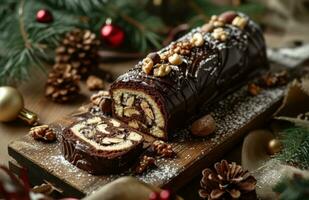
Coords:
pixel 218 24
pixel 214 18
pixel 220 34
pixel 254 89
pixel 197 40
pixel 154 56
pixel 216 21
pixel 165 55
pixel 240 22
pixel 147 65
pixel 175 59
pixel 162 70
pixel 207 27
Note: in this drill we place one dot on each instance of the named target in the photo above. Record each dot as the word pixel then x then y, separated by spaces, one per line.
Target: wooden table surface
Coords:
pixel 33 91
pixel 48 111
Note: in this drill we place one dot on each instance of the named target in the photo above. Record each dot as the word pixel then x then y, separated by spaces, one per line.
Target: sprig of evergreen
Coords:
pixel 25 43
pixel 295 150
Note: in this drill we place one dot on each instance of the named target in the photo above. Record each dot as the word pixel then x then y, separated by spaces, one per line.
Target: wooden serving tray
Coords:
pixel 235 116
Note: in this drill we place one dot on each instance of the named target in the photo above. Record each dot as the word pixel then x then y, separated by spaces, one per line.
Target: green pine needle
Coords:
pixel 295 150
pixel 19 52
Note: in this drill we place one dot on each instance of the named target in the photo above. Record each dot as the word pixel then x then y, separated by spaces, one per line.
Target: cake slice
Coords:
pixel 101 145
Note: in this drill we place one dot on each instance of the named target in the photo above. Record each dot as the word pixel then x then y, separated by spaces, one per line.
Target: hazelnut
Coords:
pixel 228 16
pixel 155 57
pixel 203 126
pixel 175 59
pixel 147 65
pixel 240 22
pixel 162 70
pixel 197 40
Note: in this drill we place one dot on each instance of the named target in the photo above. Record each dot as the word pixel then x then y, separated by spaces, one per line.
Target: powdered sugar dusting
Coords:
pixel 231 114
pixel 167 169
pixel 239 109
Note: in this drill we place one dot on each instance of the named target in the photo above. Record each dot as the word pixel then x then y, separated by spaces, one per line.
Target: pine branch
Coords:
pixel 24 43
pixel 295 151
pixel 80 7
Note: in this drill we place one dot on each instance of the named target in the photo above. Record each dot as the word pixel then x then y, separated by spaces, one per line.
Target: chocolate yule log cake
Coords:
pixel 168 87
pixel 101 145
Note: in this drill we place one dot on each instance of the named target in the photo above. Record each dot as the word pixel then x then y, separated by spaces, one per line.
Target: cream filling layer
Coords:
pixel 113 143
pixel 158 116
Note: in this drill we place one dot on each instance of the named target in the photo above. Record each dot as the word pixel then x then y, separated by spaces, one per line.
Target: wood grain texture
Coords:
pixel 49 112
pixel 235 115
pixel 33 92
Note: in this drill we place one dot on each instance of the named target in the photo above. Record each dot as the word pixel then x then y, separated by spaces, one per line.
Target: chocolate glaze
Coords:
pixel 95 161
pixel 209 71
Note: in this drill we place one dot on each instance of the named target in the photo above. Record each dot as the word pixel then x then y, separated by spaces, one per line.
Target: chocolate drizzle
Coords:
pixel 214 69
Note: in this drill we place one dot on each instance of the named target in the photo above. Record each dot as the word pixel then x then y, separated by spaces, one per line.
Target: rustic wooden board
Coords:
pixel 235 115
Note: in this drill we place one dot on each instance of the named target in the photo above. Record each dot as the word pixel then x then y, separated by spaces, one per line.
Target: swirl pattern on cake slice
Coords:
pixel 101 145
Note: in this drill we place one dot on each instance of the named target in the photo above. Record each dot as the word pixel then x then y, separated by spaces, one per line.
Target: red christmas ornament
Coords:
pixel 154 196
pixel 165 195
pixel 113 35
pixel 44 16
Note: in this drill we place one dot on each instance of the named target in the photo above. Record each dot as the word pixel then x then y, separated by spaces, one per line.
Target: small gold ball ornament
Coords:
pixel 12 106
pixel 274 146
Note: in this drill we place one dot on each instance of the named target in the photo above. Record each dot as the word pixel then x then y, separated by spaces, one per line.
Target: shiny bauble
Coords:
pixel 113 35
pixel 274 146
pixel 12 106
pixel 11 103
pixel 44 16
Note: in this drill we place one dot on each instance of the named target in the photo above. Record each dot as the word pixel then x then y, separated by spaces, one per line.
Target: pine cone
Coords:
pixel 80 49
pixel 62 83
pixel 43 133
pixel 229 181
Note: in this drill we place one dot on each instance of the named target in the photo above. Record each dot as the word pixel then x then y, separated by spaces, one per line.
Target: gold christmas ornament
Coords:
pixel 12 106
pixel 274 146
